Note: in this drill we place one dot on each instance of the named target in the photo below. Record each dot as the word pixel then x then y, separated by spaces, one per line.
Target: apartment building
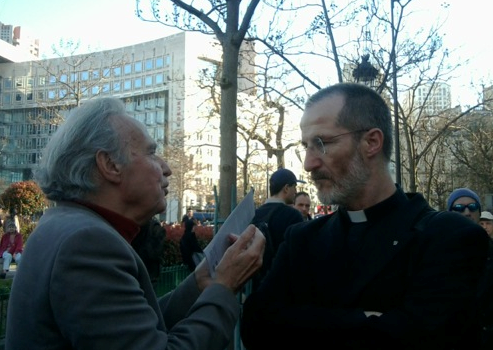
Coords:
pixel 157 80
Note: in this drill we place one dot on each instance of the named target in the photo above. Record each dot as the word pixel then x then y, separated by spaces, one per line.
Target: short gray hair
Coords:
pixel 363 109
pixel 67 169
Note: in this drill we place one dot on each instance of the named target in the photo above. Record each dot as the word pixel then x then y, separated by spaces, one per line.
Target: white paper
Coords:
pixel 235 223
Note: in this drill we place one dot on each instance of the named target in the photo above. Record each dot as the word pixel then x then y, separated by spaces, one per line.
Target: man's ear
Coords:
pixel 285 189
pixel 108 169
pixel 374 142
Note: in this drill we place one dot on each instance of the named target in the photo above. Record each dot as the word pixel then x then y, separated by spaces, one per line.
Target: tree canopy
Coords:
pixel 24 197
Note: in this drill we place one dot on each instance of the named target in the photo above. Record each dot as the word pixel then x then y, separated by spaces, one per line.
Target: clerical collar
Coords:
pixel 357 216
pixel 379 210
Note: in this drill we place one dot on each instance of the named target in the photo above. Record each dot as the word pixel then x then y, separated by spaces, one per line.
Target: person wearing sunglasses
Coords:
pixel 465 202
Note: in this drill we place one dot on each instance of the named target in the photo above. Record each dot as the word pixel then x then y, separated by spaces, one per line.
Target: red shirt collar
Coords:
pixel 125 227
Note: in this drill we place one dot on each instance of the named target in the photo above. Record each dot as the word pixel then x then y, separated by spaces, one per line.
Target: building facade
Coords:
pixel 157 80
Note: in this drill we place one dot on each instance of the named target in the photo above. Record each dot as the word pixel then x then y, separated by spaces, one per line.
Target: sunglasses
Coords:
pixel 462 207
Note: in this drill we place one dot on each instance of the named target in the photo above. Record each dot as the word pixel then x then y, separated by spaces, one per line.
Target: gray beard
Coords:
pixel 349 187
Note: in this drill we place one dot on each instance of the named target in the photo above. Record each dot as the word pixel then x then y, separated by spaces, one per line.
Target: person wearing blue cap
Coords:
pixel 275 216
pixel 465 202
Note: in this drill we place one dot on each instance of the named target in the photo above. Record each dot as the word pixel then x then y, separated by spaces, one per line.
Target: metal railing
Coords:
pixel 170 277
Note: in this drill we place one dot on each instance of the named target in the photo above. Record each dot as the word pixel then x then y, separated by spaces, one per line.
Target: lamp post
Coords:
pixel 394 97
pixel 267 175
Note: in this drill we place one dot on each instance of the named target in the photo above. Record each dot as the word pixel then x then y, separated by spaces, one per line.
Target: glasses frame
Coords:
pixel 319 145
pixel 460 208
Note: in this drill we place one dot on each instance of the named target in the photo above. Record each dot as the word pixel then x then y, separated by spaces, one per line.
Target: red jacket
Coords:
pixel 15 248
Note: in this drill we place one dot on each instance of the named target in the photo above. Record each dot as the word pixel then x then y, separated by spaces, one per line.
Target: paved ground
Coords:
pixel 11 272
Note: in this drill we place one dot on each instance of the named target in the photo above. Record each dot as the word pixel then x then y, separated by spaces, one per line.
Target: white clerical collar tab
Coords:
pixel 357 216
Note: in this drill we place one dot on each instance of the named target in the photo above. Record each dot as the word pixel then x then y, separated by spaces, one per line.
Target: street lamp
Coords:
pixel 365 72
pixel 394 97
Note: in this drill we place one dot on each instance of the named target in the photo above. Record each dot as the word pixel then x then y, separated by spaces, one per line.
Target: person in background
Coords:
pixel 275 216
pixel 11 245
pixel 84 285
pixel 149 244
pixel 302 203
pixel 384 271
pixel 191 252
pixel 485 294
pixel 486 221
pixel 465 202
pixel 188 217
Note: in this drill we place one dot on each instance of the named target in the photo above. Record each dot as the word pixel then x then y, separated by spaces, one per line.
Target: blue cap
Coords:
pixel 462 192
pixel 280 178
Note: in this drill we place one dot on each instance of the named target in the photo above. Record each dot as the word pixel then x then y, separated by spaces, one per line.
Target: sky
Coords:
pixel 108 24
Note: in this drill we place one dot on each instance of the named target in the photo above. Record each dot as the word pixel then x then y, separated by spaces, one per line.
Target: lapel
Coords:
pixel 327 253
pixel 392 238
pixel 328 249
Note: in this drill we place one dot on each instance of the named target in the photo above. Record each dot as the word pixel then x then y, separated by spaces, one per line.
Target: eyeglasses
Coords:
pixel 462 207
pixel 319 146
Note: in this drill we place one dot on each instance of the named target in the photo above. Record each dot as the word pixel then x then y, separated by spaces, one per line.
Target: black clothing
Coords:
pixel 149 244
pixel 189 245
pixel 418 267
pixel 279 217
pixel 485 302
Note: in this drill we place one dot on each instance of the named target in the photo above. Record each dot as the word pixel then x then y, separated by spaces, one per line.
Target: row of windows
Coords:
pixel 136 67
pixel 23 158
pixel 10 176
pixel 85 91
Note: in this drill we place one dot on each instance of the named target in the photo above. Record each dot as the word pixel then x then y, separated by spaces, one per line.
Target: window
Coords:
pixel 19 82
pixel 159 78
pixel 159 62
pixel 106 88
pixel 29 96
pixel 150 118
pixel 73 77
pixel 117 71
pixel 40 96
pixel 7 83
pixel 51 94
pixel 42 81
pixel 84 76
pixel 127 69
pixel 127 85
pixel 160 117
pixel 18 97
pixel 62 93
pixel 117 86
pixel 138 66
pixel 148 80
pixel 52 80
pixel 95 90
pixel 7 99
pixel 106 73
pixel 95 74
pixel 63 78
pixel 149 64
pixel 138 83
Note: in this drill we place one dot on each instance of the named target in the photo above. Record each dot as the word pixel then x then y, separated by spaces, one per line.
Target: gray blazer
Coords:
pixel 82 286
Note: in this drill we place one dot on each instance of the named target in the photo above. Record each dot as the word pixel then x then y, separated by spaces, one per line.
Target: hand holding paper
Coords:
pixel 230 259
pixel 236 223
